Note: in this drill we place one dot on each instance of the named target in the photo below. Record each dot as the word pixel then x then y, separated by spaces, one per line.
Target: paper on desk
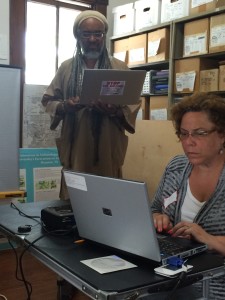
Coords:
pixel 108 264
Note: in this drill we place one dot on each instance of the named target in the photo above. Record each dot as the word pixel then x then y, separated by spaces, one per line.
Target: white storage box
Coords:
pixel 147 13
pixel 172 10
pixel 123 19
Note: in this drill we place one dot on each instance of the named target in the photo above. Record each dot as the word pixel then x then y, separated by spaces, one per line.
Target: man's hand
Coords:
pixel 109 109
pixel 68 106
pixel 72 104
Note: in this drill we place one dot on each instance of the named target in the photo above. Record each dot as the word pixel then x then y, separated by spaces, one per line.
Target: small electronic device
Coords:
pixel 171 270
pixel 58 217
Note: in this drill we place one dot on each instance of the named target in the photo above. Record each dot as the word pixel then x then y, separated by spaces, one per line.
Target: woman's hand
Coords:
pixel 190 230
pixel 162 222
pixel 193 230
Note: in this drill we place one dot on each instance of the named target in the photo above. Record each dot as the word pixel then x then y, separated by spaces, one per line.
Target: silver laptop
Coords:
pixel 111 86
pixel 117 213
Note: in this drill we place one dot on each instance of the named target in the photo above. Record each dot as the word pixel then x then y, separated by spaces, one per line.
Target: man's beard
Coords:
pixel 93 54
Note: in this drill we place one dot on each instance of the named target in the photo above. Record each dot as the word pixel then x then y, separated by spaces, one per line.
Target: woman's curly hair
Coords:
pixel 211 104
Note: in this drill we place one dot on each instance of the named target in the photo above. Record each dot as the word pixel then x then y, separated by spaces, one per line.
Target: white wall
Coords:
pixel 4 32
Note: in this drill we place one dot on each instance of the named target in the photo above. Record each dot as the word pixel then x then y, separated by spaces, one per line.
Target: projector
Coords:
pixel 58 217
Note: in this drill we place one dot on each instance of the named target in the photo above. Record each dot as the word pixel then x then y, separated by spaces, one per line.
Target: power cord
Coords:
pixel 19 259
pixel 180 279
pixel 182 276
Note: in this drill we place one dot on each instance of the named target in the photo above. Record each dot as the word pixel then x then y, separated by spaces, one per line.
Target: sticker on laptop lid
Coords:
pixel 75 181
pixel 112 87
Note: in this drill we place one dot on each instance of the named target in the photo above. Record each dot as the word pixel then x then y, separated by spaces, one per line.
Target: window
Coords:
pixel 49 39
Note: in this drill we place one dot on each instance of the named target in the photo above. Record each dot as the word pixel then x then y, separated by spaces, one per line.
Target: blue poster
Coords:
pixel 40 173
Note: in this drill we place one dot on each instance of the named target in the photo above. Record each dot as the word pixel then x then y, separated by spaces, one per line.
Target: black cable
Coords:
pixel 27 284
pixel 21 213
pixel 180 279
pixel 19 263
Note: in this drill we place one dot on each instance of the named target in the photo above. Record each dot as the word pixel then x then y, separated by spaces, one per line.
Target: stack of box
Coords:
pixel 196 37
pixel 137 46
pixel 187 73
pixel 147 13
pixel 123 19
pixel 121 49
pixel 209 80
pixel 158 45
pixel 172 10
pixel 201 6
pixel 217 34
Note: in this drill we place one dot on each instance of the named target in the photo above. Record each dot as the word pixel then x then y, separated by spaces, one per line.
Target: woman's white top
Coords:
pixel 190 207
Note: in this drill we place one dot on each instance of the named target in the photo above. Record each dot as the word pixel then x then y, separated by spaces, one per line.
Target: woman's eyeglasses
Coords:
pixel 95 34
pixel 195 134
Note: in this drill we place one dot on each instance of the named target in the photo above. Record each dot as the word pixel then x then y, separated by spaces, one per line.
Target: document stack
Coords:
pixel 146 85
pixel 159 82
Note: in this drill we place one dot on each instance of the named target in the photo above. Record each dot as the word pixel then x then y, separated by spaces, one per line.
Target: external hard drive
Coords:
pixel 58 217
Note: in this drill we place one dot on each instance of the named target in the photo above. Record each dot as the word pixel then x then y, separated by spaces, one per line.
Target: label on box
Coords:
pixel 136 55
pixel 217 37
pixel 195 44
pixel 120 55
pixel 159 114
pixel 185 81
pixel 153 48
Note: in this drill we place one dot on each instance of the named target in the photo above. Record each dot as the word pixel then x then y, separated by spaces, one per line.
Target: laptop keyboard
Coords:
pixel 168 247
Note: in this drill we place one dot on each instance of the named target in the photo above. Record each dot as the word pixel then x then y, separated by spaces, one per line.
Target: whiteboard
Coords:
pixel 9 128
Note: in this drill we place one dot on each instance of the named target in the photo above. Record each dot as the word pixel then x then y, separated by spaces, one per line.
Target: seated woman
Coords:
pixel 190 199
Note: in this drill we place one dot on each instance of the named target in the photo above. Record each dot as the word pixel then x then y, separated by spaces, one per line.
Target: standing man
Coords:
pixel 93 138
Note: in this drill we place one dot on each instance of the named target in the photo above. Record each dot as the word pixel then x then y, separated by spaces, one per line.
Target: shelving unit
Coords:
pixel 177 48
pixel 176 29
pixel 157 65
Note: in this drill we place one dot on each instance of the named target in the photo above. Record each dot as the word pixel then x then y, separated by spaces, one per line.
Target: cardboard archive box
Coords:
pixel 147 13
pixel 222 78
pixel 187 73
pixel 217 34
pixel 158 107
pixel 196 37
pixel 197 7
pixel 158 45
pixel 137 49
pixel 209 80
pixel 120 49
pixel 174 9
pixel 123 21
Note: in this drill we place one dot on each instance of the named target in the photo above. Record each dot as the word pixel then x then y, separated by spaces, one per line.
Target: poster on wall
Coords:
pixel 36 122
pixel 40 173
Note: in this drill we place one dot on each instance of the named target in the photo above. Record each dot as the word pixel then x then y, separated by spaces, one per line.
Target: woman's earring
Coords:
pixel 221 151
